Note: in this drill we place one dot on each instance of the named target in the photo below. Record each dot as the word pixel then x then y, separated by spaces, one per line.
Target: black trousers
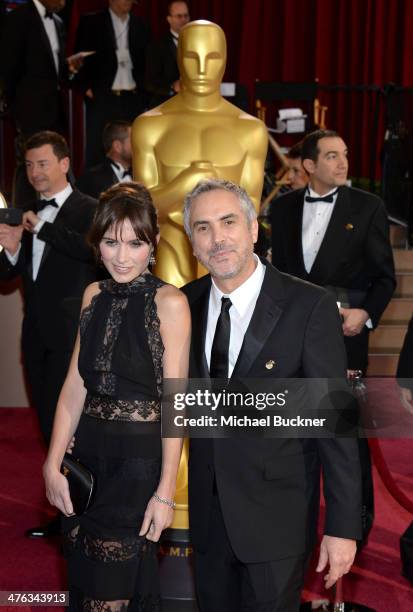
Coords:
pixel 225 584
pixel 46 372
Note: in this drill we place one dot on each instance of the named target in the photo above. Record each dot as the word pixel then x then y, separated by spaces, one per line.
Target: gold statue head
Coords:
pixel 202 56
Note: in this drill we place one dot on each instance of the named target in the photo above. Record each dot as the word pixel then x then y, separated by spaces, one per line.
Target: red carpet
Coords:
pixel 35 565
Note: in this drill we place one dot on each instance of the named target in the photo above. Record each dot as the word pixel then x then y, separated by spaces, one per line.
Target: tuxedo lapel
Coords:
pixel 267 312
pixel 199 313
pixel 110 32
pixel 62 43
pixel 44 38
pixel 335 238
pixel 61 215
pixel 293 237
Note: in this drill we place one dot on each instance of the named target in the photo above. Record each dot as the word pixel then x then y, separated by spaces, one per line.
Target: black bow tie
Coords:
pixel 43 203
pixel 127 172
pixel 327 198
pixel 48 15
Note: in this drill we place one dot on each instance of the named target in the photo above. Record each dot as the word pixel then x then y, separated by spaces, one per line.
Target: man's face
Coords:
pixel 203 57
pixel 222 240
pixel 296 174
pixel 178 16
pixel 54 5
pixel 45 172
pixel 125 148
pixel 330 169
pixel 121 7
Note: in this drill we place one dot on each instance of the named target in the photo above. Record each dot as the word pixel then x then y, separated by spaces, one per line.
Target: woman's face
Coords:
pixel 124 256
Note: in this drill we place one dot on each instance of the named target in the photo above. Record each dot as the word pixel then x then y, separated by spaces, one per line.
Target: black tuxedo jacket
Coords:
pixel 269 488
pixel 97 179
pixel 32 85
pixel 355 253
pixel 161 69
pixel 67 267
pixel 96 33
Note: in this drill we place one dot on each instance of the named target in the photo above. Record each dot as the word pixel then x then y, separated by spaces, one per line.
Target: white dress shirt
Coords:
pixel 316 217
pixel 50 28
pixel 49 214
pixel 175 37
pixel 124 77
pixel 243 301
pixel 118 169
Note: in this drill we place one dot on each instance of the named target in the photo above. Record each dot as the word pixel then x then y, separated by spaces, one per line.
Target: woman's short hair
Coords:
pixel 121 202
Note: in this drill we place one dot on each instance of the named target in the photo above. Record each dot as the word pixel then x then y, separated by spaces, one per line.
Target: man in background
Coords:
pixel 297 176
pixel 113 77
pixel 49 252
pixel 162 74
pixel 116 167
pixel 338 237
pixel 32 66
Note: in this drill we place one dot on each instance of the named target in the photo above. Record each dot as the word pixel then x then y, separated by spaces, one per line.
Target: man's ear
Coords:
pixel 308 165
pixel 158 237
pixel 65 164
pixel 254 230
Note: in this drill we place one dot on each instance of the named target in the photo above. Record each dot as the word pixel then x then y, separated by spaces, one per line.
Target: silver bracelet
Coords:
pixel 167 502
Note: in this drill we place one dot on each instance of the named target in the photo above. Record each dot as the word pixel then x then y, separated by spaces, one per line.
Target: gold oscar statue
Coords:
pixel 195 135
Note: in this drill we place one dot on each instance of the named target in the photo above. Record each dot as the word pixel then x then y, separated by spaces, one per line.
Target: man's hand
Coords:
pixel 176 86
pixel 354 319
pixel 10 237
pixel 339 554
pixel 406 399
pixel 30 220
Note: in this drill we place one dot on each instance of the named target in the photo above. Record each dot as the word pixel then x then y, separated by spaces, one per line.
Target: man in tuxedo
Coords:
pixel 113 77
pixel 338 237
pixel 50 253
pixel 254 501
pixel 32 66
pixel 116 167
pixel 162 73
pixel 32 63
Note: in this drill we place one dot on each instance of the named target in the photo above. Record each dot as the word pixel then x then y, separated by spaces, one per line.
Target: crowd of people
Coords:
pixel 85 251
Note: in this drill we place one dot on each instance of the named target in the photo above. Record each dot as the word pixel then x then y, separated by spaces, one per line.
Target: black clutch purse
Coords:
pixel 81 483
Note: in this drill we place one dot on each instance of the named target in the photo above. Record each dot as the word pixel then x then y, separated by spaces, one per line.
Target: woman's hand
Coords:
pixel 158 516
pixel 57 490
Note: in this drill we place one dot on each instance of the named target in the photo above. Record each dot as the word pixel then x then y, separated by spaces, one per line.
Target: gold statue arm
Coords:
pixel 252 177
pixel 168 197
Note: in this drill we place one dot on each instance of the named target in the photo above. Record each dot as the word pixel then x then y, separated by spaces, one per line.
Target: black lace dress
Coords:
pixel 119 440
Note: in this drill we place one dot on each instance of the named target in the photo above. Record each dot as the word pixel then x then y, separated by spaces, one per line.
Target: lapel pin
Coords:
pixel 270 364
pixel 349 226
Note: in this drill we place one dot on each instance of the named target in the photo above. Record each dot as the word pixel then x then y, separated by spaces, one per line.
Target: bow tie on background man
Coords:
pixel 127 172
pixel 327 198
pixel 43 203
pixel 48 15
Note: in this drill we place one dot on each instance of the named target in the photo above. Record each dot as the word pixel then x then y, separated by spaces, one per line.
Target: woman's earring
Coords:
pixel 152 260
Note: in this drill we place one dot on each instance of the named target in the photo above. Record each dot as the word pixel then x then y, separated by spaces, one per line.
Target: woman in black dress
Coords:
pixel 134 332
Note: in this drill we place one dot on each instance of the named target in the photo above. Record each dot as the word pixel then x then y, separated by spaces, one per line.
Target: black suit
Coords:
pixel 27 68
pixel 161 69
pixel 49 326
pixel 268 489
pixel 355 259
pixel 97 179
pixel 96 33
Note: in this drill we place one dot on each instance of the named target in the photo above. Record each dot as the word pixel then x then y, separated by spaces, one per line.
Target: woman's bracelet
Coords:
pixel 167 502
